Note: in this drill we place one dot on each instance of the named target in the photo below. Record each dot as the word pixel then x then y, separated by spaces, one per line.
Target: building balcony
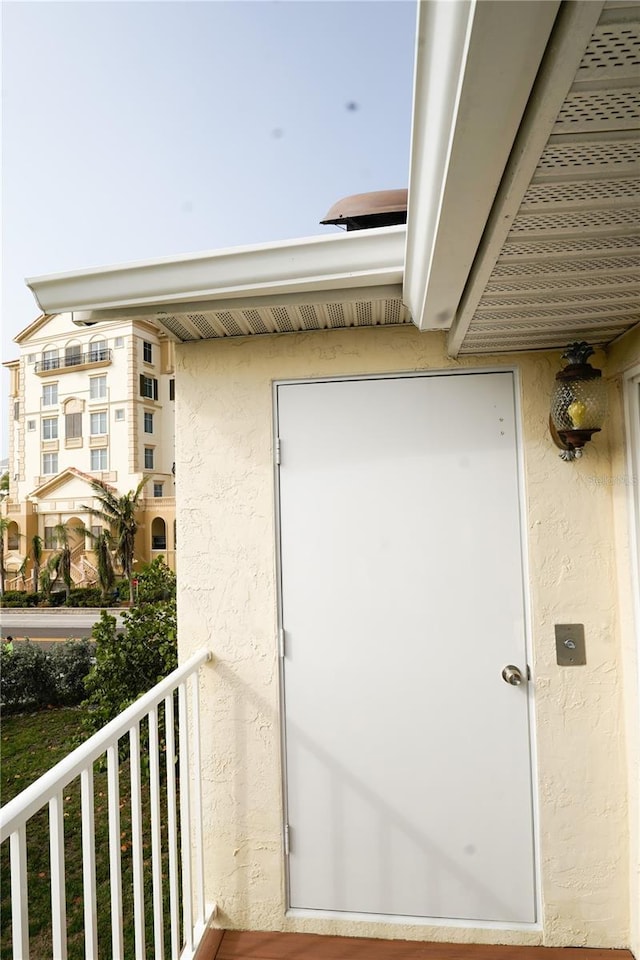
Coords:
pixel 153 746
pixel 76 361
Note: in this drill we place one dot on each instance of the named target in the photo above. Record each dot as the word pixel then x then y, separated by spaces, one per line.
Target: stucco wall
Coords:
pixel 227 600
pixel 624 358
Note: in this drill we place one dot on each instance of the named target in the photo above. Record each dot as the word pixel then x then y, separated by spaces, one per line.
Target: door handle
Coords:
pixel 513 675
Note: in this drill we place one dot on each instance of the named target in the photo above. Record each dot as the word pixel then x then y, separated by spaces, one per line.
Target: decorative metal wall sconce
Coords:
pixel 578 403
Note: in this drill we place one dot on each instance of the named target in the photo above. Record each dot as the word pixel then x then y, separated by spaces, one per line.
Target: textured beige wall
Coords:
pixel 226 557
pixel 625 476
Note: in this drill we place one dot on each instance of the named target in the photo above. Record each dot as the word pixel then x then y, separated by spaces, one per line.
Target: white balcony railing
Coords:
pixel 183 809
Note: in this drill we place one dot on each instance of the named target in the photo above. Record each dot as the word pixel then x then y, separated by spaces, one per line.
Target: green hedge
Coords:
pixel 32 677
pixel 18 598
pixel 79 597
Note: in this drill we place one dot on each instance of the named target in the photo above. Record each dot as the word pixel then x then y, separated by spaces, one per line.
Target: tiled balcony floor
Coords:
pixel 245 945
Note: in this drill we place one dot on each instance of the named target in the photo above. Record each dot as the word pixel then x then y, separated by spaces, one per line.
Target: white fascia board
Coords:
pixel 364 258
pixel 572 32
pixel 476 63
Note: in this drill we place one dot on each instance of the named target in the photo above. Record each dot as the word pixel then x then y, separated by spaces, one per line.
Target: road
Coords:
pixel 42 624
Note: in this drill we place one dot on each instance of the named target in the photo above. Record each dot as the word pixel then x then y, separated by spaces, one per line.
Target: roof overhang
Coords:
pixel 500 222
pixel 311 268
pixel 476 64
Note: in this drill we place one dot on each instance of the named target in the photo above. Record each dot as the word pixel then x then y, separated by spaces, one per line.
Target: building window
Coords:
pixel 147 351
pixel 148 422
pixel 148 458
pixel 97 388
pixel 119 414
pixel 172 389
pixel 50 428
pixel 158 534
pixel 98 423
pixel 73 426
pixel 99 459
pixel 13 536
pixel 73 355
pixel 16 410
pixel 49 394
pixel 49 463
pixel 157 489
pixel 148 387
pixel 50 360
pixel 95 532
pixel 119 342
pixel 49 538
pixel 31 358
pixel 31 425
pixel 98 351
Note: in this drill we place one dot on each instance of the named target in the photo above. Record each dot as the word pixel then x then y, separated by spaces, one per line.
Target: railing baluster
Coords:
pixel 185 818
pixel 136 842
pixel 89 865
pixel 156 840
pixel 19 894
pixel 172 826
pixel 197 797
pixel 58 892
pixel 49 789
pixel 115 862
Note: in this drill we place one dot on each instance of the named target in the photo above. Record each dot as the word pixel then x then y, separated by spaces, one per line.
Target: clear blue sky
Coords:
pixel 142 129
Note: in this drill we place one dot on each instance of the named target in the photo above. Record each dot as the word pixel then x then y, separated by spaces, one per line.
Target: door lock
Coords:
pixel 513 675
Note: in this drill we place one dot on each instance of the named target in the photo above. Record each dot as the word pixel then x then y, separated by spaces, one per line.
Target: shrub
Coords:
pixel 156 582
pixel 130 663
pixel 32 677
pixel 19 598
pixel 85 597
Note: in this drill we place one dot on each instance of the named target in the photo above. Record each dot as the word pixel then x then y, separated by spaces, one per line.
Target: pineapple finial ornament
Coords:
pixel 578 402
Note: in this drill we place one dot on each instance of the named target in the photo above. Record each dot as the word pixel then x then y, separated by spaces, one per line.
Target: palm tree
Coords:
pixel 36 557
pixel 60 563
pixel 119 513
pixel 103 547
pixel 4 526
pixel 22 572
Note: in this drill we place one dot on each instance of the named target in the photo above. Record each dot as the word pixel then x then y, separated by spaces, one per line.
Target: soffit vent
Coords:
pixel 597 265
pixel 600 112
pixel 603 192
pixel 289 318
pixel 613 54
pixel 553 285
pixel 556 249
pixel 569 268
pixel 590 156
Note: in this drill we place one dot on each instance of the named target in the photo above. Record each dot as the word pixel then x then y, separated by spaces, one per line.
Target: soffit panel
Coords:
pixel 570 265
pixel 283 318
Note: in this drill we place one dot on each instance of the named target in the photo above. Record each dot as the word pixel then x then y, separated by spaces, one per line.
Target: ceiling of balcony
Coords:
pixel 284 318
pixel 569 268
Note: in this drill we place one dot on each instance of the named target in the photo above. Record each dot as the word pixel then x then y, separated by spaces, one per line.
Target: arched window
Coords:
pixel 13 536
pixel 72 354
pixel 97 350
pixel 50 360
pixel 158 534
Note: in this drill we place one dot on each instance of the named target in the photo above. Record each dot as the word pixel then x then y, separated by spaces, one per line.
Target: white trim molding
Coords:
pixel 574 27
pixel 466 116
pixel 365 258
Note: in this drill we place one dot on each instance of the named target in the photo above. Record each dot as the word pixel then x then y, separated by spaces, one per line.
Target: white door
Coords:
pixel 407 754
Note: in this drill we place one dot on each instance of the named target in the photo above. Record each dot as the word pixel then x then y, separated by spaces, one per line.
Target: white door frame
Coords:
pixel 631 402
pixel 524 549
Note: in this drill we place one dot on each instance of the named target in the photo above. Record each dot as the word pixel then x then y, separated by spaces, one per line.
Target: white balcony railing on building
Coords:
pixel 183 816
pixel 48 364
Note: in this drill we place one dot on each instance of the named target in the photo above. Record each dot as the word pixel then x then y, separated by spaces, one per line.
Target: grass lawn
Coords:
pixel 31 744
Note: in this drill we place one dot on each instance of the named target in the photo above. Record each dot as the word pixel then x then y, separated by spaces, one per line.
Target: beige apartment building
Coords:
pixel 88 403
